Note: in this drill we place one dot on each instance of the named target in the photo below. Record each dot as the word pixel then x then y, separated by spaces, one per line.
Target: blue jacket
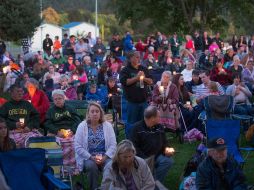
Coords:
pixel 127 45
pixel 209 176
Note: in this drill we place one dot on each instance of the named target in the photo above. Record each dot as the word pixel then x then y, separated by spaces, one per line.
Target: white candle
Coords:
pixel 174 73
pixel 109 95
pixel 170 150
pixel 188 103
pixel 57 66
pixel 22 120
pixel 150 67
pixel 75 77
pixel 161 89
pixel 5 69
pixel 98 157
pixel 141 81
pixel 29 101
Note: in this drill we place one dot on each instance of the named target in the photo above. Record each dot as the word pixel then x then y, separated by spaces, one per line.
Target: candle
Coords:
pixel 188 103
pixel 109 95
pixel 29 101
pixel 22 120
pixel 118 90
pixel 161 89
pixel 98 157
pixel 5 69
pixel 66 132
pixel 150 67
pixel 170 150
pixel 174 73
pixel 141 79
pixel 57 66
pixel 75 77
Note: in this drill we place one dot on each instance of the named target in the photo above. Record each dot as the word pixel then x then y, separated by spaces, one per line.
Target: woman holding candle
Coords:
pixel 220 74
pixel 95 143
pixel 166 97
pixel 61 116
pixel 37 98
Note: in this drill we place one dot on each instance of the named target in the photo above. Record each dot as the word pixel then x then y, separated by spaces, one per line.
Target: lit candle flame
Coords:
pixel 161 89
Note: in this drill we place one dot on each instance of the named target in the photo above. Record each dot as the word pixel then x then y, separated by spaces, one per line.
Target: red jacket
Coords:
pixel 190 45
pixel 223 79
pixel 40 102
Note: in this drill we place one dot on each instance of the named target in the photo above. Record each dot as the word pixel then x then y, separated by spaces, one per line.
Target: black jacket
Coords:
pixel 114 44
pixel 148 141
pixel 134 93
pixel 209 176
pixel 198 43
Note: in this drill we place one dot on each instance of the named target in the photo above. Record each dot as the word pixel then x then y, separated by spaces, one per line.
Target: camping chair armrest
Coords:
pixel 56 182
pixel 247 149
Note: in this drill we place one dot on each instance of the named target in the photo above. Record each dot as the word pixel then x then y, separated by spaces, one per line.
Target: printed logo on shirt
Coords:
pixel 18 112
pixel 66 113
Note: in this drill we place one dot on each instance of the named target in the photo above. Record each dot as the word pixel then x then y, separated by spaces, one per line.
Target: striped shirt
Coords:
pixel 203 91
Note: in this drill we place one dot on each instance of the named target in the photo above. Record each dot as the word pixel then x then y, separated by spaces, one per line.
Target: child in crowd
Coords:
pixel 213 89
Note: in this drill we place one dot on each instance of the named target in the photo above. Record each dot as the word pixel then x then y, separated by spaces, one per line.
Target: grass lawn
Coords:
pixel 183 154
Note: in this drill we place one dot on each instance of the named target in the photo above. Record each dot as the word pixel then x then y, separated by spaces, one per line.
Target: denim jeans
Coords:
pixel 162 166
pixel 244 109
pixel 93 171
pixel 135 113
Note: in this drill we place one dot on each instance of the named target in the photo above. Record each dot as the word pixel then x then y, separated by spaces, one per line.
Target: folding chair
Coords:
pixel 119 113
pixel 228 130
pixel 26 169
pixel 54 155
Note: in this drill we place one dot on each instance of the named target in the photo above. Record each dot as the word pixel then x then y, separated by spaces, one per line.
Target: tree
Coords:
pixel 18 18
pixel 51 16
pixel 186 15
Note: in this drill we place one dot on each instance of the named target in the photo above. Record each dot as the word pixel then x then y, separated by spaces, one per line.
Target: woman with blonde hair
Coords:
pixel 95 143
pixel 127 171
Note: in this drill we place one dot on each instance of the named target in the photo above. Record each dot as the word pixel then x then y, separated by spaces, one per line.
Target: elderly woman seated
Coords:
pixel 37 98
pixel 127 171
pixel 95 143
pixel 61 117
pixel 21 117
pixel 69 91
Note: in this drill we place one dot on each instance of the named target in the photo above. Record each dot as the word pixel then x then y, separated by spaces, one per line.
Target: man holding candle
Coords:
pixel 150 141
pixel 21 117
pixel 135 80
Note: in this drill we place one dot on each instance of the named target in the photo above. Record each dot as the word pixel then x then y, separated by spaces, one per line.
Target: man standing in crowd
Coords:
pixel 47 44
pixel 218 40
pixel 64 43
pixel 70 46
pixel 206 41
pixel 149 139
pixel 175 45
pixel 218 171
pixel 116 46
pixel 135 80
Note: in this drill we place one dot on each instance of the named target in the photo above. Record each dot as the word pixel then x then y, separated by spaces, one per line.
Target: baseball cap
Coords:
pixel 217 143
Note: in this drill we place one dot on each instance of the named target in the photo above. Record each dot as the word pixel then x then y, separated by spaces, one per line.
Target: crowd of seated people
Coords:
pixel 190 70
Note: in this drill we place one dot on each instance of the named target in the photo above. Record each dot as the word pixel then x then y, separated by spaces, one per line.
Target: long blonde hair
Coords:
pixel 102 115
pixel 122 147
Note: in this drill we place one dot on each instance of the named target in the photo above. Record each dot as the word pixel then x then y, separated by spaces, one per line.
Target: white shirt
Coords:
pixel 187 75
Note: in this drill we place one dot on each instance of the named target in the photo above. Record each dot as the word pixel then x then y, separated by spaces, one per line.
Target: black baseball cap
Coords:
pixel 217 143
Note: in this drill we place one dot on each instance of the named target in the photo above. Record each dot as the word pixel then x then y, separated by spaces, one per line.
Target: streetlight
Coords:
pixel 96 17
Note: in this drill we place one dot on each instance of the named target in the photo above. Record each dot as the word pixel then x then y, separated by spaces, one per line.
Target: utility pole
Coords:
pixel 96 17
